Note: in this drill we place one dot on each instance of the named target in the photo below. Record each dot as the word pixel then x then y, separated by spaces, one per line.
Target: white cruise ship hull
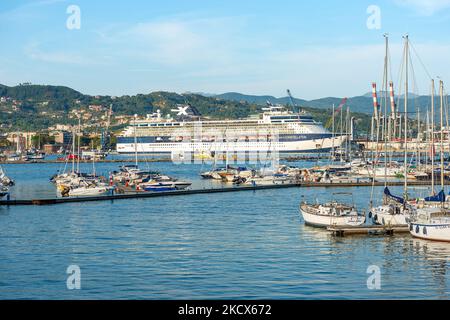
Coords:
pixel 302 146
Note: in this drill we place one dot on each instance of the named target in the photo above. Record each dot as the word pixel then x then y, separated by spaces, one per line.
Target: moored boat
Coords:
pixel 394 210
pixel 331 214
pixel 431 223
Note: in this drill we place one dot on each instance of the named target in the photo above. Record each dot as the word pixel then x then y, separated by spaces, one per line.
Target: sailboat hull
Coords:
pixel 327 220
pixel 435 232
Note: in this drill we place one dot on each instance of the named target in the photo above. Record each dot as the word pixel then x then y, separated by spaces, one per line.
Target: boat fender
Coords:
pixel 410 227
pixel 383 221
pixel 375 218
pixel 370 214
pixel 417 229
pixel 424 230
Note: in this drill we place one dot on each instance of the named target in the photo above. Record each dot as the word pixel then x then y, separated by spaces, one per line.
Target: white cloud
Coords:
pixel 425 7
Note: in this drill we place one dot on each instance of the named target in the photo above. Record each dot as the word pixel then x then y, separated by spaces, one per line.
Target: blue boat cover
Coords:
pixel 388 194
pixel 440 197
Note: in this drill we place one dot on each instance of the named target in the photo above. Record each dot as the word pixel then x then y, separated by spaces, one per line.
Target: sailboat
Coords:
pixel 89 187
pixel 145 180
pixel 395 210
pixel 5 183
pixel 331 214
pixel 433 222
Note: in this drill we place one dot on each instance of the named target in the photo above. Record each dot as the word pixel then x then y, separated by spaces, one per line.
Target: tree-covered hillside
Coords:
pixel 36 107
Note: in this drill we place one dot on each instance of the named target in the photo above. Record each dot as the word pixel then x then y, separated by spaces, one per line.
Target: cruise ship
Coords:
pixel 275 129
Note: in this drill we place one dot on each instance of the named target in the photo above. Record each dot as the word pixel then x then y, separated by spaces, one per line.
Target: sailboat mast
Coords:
pixel 342 131
pixel 79 140
pixel 135 142
pixel 432 136
pixel 332 124
pixel 73 150
pixel 347 131
pixel 427 139
pixel 406 117
pixel 441 95
pixel 419 136
pixel 385 119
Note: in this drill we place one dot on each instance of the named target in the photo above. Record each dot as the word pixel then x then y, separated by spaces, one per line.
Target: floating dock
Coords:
pixel 369 230
pixel 149 194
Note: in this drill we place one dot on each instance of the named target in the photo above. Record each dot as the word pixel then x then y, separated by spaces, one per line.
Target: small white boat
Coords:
pixel 260 181
pixel 162 185
pixel 431 223
pixel 331 214
pixel 213 174
pixel 89 191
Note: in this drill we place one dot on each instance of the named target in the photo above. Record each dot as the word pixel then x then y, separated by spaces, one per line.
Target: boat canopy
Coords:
pixel 387 192
pixel 440 197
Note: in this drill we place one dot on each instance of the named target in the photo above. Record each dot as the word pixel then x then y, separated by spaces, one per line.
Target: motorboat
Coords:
pixel 87 191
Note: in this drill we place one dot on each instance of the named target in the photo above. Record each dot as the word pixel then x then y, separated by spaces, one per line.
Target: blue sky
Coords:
pixel 315 48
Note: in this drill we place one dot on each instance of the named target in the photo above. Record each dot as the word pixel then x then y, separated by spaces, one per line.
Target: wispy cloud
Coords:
pixel 425 7
pixel 177 41
pixel 27 11
pixel 34 52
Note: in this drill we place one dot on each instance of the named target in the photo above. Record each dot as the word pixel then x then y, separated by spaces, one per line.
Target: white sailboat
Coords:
pixel 431 222
pixel 331 214
pixel 394 210
pixel 5 183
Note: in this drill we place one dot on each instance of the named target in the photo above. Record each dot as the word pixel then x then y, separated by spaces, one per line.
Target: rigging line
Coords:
pixel 415 88
pixel 400 81
pixel 420 60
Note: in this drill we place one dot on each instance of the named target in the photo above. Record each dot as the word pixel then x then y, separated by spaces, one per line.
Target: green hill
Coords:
pixel 37 107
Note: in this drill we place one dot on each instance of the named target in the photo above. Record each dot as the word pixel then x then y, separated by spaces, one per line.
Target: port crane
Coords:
pixel 291 99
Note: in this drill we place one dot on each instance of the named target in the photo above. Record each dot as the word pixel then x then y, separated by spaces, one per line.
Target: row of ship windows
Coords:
pixel 202 144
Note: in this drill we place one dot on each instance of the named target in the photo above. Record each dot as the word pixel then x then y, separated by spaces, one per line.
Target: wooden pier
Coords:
pixel 369 230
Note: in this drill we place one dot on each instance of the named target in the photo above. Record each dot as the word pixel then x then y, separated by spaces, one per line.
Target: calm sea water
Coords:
pixel 245 245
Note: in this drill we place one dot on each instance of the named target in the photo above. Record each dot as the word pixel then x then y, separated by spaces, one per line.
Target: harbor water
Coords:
pixel 244 245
